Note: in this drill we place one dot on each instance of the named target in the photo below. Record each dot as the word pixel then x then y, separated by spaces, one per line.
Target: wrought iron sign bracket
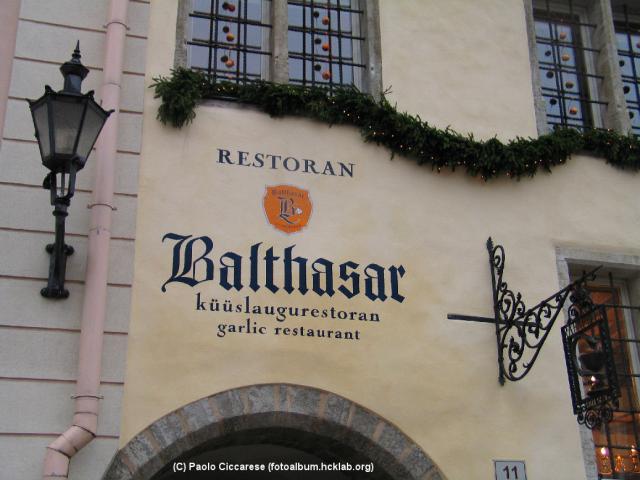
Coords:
pixel 520 331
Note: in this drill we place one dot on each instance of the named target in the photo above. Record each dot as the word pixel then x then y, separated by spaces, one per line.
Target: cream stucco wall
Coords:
pixel 460 64
pixel 435 379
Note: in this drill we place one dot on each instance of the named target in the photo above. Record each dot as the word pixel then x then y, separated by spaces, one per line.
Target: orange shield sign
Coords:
pixel 287 208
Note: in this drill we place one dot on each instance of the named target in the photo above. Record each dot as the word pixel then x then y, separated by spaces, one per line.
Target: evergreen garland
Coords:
pixel 380 122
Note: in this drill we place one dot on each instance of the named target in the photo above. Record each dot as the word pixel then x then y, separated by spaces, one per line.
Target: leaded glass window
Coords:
pixel 229 40
pixel 325 42
pixel 628 44
pixel 566 77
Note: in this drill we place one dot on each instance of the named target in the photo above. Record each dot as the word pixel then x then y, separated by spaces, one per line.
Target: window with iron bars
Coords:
pixel 229 40
pixel 616 443
pixel 585 56
pixel 325 42
pixel 627 27
pixel 567 78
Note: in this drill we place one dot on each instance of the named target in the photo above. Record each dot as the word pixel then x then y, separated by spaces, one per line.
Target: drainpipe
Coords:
pixel 9 13
pixel 85 419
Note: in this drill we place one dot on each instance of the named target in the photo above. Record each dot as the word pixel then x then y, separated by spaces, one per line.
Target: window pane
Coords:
pixel 253 37
pixel 255 10
pixel 198 57
pixel 295 41
pixel 543 30
pixel 202 6
pixel 345 22
pixel 623 41
pixel 295 69
pixel 626 65
pixel 347 51
pixel 295 15
pixel 200 28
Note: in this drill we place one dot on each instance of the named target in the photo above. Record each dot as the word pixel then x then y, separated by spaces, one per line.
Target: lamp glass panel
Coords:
pixel 93 122
pixel 62 186
pixel 67 118
pixel 40 112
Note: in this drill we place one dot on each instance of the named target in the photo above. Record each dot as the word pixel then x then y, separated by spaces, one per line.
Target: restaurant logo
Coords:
pixel 287 208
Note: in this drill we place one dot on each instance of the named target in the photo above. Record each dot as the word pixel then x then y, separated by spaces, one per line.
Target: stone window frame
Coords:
pixel 279 64
pixel 615 115
pixel 623 267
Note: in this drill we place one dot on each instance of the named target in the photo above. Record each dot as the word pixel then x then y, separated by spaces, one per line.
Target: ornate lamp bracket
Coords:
pixel 520 331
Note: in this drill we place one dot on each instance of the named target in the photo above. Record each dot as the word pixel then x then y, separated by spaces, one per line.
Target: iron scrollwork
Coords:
pixel 521 331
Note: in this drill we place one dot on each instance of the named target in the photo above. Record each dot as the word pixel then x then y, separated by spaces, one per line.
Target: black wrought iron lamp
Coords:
pixel 67 126
pixel 521 332
pixel 590 362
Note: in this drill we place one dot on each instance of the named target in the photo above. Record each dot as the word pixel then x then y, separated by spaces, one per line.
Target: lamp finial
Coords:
pixel 74 72
pixel 76 53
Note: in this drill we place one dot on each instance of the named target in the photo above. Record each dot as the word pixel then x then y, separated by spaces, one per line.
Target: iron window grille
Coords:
pixel 616 443
pixel 229 40
pixel 325 42
pixel 565 60
pixel 628 44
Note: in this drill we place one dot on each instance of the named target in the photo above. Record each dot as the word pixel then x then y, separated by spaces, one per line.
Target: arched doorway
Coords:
pixel 273 422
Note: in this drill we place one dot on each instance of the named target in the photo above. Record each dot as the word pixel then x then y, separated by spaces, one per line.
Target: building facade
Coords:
pixel 274 289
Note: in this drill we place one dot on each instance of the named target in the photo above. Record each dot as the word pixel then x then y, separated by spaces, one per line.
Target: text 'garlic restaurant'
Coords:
pixel 330 239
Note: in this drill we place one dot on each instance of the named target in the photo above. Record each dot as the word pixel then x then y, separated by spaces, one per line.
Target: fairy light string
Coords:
pixel 408 135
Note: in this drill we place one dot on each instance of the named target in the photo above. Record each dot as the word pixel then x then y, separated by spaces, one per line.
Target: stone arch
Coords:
pixel 306 413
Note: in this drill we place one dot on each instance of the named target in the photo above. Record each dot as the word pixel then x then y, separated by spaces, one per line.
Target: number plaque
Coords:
pixel 510 470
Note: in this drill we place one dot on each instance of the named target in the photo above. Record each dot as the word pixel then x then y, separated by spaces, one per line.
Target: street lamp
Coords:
pixel 67 125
